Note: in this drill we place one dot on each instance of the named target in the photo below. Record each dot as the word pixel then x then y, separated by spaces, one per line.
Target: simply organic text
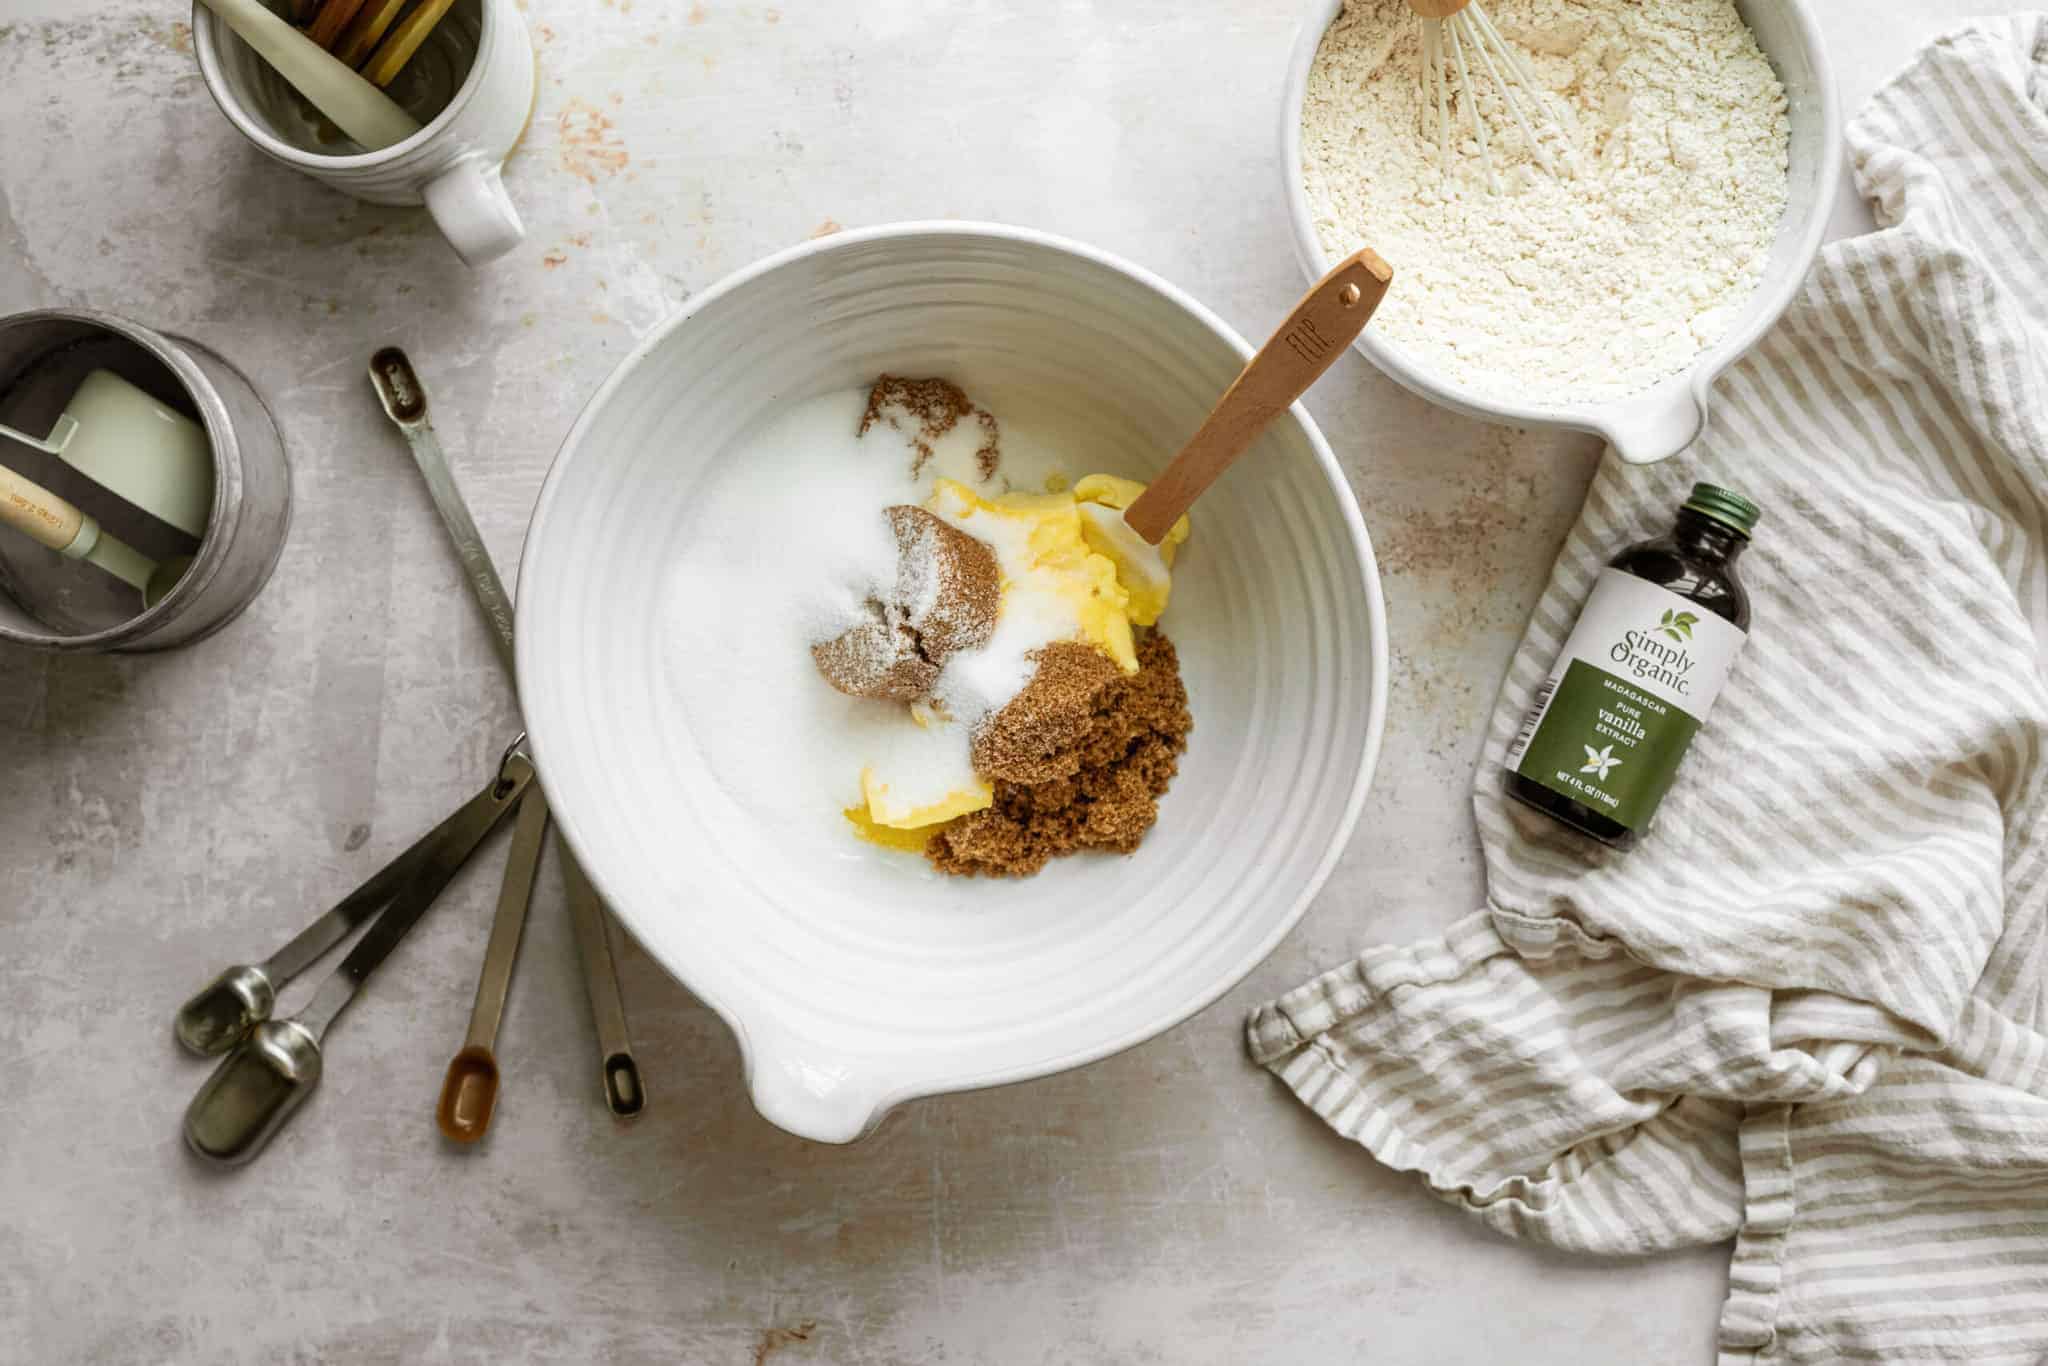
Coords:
pixel 1649 658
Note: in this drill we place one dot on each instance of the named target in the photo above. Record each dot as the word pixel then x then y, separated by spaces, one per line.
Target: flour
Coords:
pixel 1566 288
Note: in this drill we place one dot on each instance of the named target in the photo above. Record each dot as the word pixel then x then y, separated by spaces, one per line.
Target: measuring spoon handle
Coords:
pixel 623 1093
pixel 311 944
pixel 404 398
pixel 227 1008
pixel 515 895
pixel 469 826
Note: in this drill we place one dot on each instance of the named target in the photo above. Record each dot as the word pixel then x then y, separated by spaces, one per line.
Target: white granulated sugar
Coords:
pixel 787 544
pixel 918 579
pixel 978 682
pixel 1569 287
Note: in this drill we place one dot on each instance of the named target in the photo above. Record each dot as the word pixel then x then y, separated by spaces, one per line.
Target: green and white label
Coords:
pixel 1611 724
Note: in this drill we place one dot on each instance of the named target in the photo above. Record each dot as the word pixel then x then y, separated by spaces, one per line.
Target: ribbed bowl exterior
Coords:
pixel 845 1003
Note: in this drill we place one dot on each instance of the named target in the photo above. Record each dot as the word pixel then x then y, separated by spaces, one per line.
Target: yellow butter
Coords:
pixel 1142 569
pixel 1039 541
pixel 888 837
pixel 885 808
pixel 1066 554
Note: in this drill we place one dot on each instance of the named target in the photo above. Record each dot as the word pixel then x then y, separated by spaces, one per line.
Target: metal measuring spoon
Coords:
pixel 268 1076
pixel 470 1092
pixel 226 1009
pixel 405 403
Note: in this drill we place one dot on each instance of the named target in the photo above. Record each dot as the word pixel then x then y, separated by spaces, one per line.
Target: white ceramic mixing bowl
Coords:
pixel 1664 419
pixel 851 986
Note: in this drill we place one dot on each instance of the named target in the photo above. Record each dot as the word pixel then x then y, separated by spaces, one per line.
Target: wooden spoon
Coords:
pixel 366 30
pixel 43 517
pixel 1328 319
pixel 333 17
pixel 402 42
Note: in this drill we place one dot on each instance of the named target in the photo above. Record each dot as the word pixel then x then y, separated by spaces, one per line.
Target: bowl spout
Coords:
pixel 1648 431
pixel 804 1088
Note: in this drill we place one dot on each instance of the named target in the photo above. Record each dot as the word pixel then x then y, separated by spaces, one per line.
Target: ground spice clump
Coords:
pixel 933 407
pixel 947 593
pixel 1095 774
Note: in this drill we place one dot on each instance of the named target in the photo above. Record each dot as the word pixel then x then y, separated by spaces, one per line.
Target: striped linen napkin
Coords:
pixel 1807 1013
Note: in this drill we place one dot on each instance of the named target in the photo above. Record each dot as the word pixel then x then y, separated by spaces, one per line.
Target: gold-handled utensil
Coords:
pixel 403 41
pixel 366 30
pixel 469 1094
pixel 328 22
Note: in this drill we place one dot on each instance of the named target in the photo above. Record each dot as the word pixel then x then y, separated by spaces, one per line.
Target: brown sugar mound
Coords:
pixel 1112 774
pixel 948 584
pixel 878 658
pixel 925 410
pixel 947 593
pixel 1035 737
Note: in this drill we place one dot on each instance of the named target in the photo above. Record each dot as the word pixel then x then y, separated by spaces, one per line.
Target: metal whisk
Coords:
pixel 1456 36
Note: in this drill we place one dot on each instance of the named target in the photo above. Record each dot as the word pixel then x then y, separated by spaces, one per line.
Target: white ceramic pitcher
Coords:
pixel 482 49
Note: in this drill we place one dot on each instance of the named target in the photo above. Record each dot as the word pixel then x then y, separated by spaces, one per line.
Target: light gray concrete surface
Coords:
pixel 165 816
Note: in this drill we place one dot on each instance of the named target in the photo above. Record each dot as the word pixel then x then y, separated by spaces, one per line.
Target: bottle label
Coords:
pixel 1611 724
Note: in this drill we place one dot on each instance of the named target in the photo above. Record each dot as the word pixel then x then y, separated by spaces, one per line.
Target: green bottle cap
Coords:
pixel 1725 506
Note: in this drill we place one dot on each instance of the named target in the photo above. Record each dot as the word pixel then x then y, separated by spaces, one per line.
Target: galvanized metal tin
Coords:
pixel 50 604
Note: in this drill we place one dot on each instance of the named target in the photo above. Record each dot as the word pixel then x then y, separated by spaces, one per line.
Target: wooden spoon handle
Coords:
pixel 1328 319
pixel 366 30
pixel 402 42
pixel 333 17
pixel 30 508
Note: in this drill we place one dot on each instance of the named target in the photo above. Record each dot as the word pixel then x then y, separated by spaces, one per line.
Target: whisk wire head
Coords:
pixel 1455 28
pixel 1547 106
pixel 1508 98
pixel 1433 77
pixel 1444 44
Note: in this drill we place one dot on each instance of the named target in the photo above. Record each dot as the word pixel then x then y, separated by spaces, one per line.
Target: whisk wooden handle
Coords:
pixel 1437 9
pixel 36 512
pixel 1328 319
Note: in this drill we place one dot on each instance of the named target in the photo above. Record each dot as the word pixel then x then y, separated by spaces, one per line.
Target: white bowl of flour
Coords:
pixel 1704 136
pixel 687 768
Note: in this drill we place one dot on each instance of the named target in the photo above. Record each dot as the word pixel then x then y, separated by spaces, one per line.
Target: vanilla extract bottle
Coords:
pixel 1611 724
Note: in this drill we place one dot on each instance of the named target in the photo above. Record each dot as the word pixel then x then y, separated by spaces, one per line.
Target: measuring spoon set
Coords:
pixel 271 1066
